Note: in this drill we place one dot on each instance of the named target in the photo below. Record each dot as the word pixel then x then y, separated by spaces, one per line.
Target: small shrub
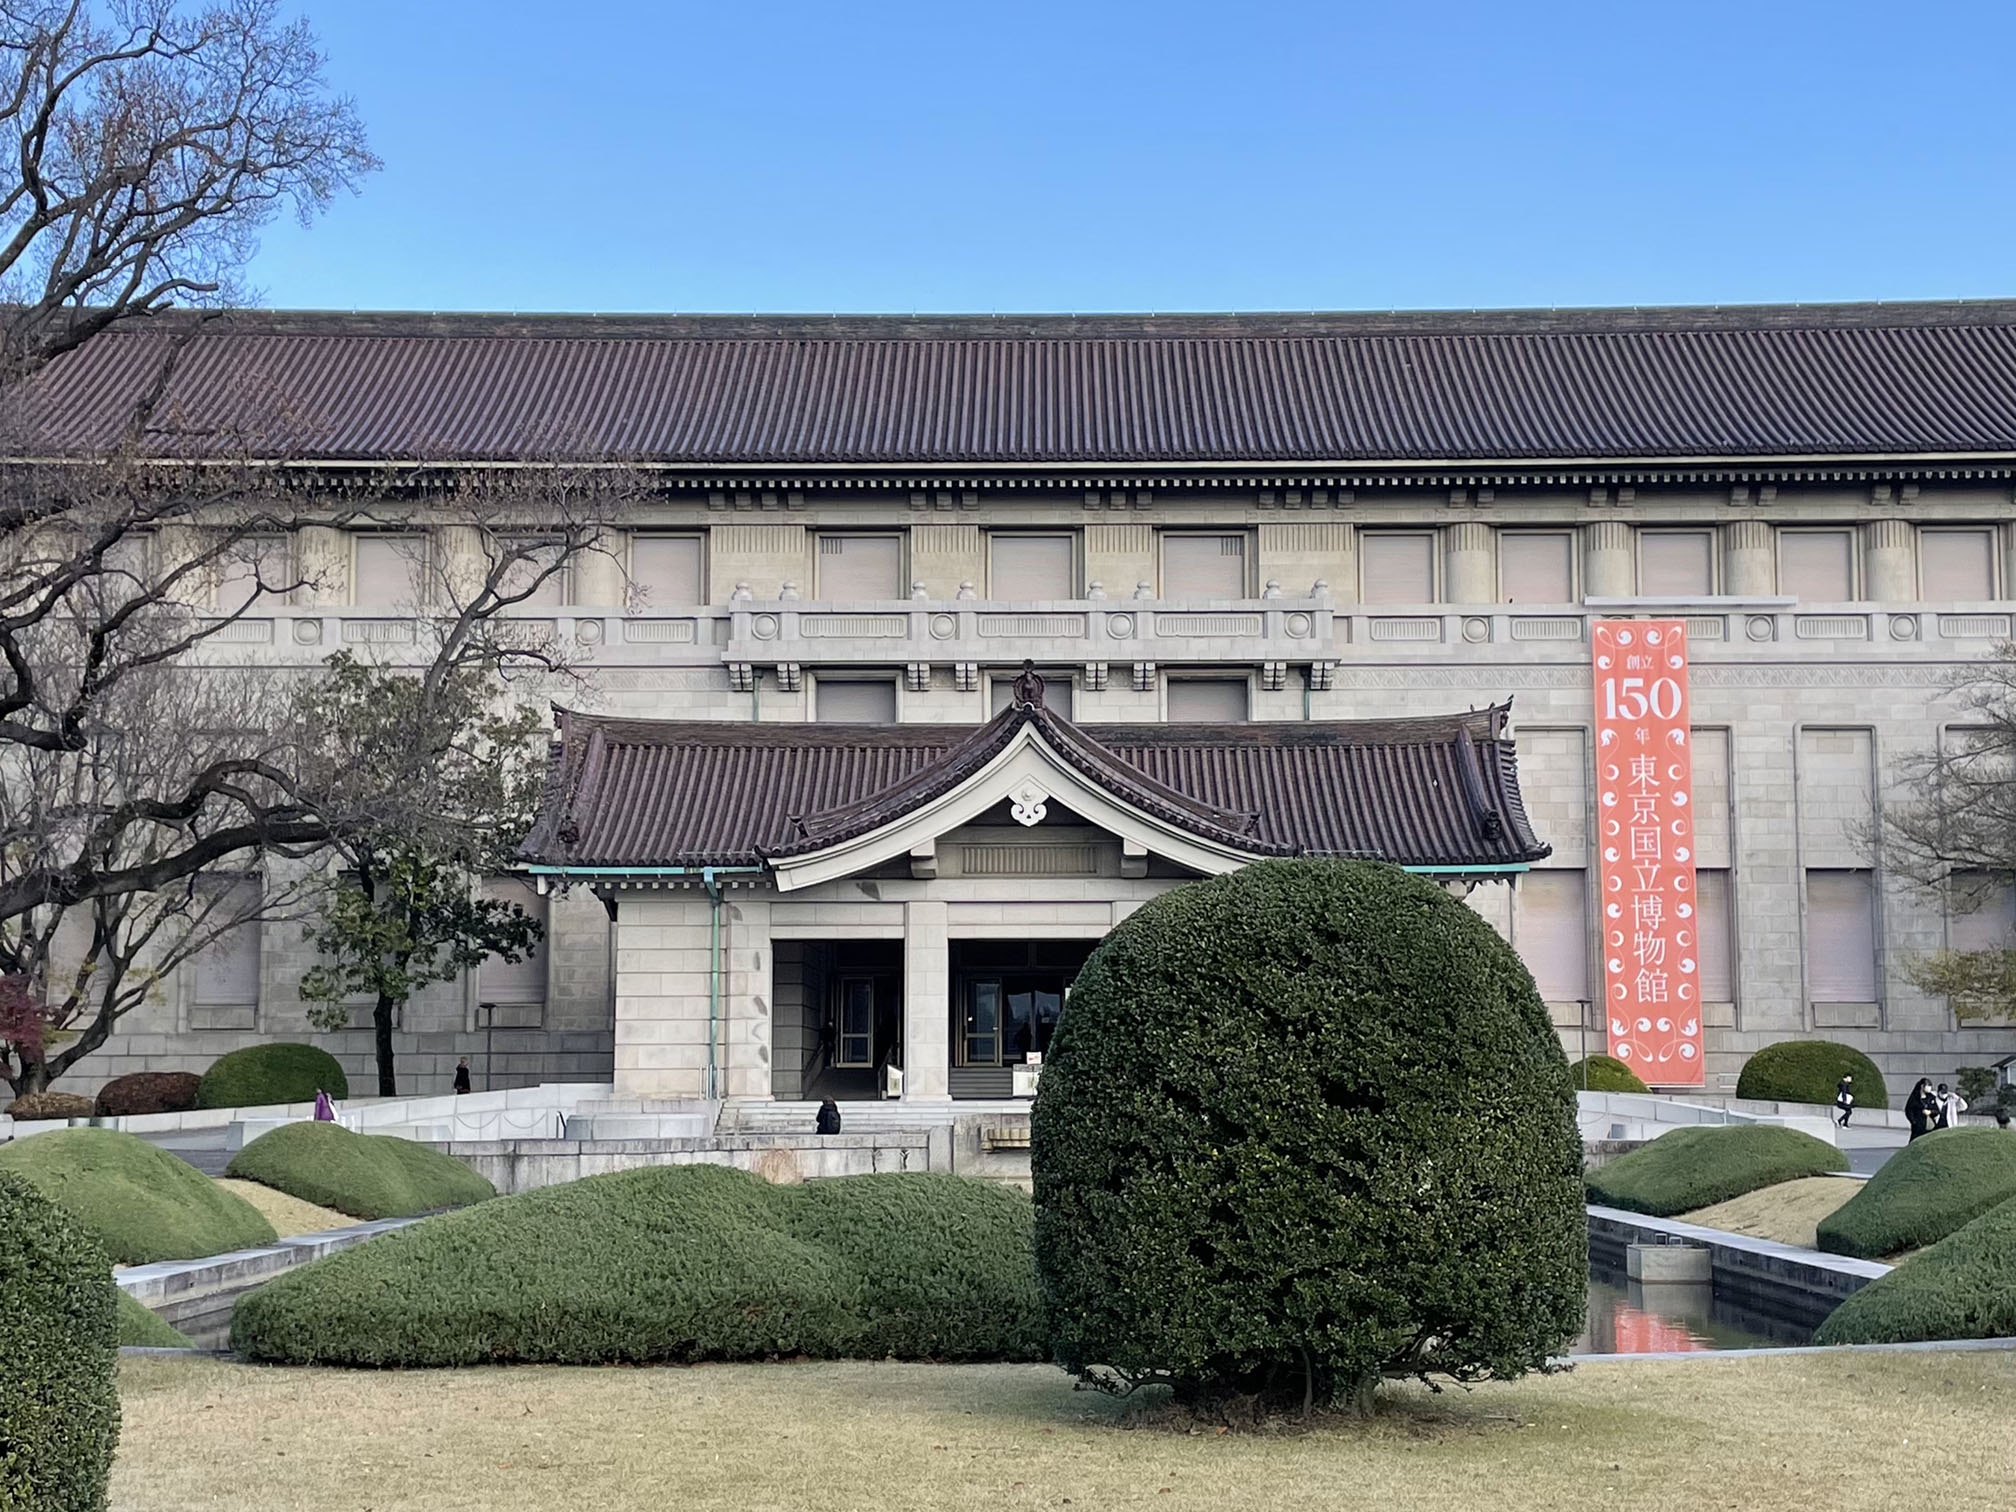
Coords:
pixel 1305 1125
pixel 36 1105
pixel 1924 1192
pixel 1604 1073
pixel 672 1263
pixel 261 1076
pixel 142 1328
pixel 147 1092
pixel 1963 1287
pixel 140 1203
pixel 364 1175
pixel 1806 1071
pixel 59 1349
pixel 1698 1167
pixel 1977 1085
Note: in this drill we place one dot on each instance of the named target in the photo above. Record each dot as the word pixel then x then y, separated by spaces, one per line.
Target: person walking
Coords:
pixel 829 1117
pixel 1951 1106
pixel 1921 1108
pixel 462 1076
pixel 1844 1099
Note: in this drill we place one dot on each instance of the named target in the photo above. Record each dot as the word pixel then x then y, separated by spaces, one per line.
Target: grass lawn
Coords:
pixel 288 1215
pixel 1786 1213
pixel 1844 1431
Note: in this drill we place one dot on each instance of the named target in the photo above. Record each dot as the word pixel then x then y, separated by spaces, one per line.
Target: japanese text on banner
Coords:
pixel 1645 821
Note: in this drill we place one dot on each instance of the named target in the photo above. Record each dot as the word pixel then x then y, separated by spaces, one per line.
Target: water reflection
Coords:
pixel 1636 1317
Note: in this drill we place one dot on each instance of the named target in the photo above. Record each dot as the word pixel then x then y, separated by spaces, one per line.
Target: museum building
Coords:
pixel 942 643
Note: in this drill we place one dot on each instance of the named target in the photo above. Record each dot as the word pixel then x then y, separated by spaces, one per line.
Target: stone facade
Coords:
pixel 1802 703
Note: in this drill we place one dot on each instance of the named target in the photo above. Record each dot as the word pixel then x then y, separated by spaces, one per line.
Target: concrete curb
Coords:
pixel 1925 1346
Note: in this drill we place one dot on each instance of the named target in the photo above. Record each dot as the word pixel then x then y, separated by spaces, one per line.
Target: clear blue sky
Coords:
pixel 952 155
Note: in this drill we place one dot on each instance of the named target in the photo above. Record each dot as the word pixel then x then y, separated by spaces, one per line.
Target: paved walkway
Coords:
pixel 1867 1149
pixel 204 1149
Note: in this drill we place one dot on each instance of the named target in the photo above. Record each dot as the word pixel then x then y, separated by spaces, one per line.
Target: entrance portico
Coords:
pixel 870 911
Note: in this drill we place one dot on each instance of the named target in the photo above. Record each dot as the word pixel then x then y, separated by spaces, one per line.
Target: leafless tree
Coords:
pixel 1951 834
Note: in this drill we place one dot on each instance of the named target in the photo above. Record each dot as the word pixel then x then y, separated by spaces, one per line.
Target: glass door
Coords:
pixel 982 1027
pixel 856 1040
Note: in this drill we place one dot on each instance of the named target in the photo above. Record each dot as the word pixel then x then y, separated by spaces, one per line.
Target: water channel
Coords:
pixel 1633 1317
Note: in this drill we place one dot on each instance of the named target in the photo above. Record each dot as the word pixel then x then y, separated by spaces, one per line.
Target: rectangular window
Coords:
pixel 1203 567
pixel 1550 927
pixel 1056 693
pixel 1840 937
pixel 982 1028
pixel 1396 567
pixel 856 1045
pixel 225 973
pixel 860 568
pixel 1956 566
pixel 1536 567
pixel 388 571
pixel 1980 913
pixel 1031 568
pixel 529 559
pixel 1817 566
pixel 1676 563
pixel 518 988
pixel 666 572
pixel 251 563
pixel 1716 959
pixel 855 701
pixel 1207 700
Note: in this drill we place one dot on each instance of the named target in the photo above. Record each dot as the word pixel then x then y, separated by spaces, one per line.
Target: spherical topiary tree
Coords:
pixel 262 1075
pixel 59 1347
pixel 1301 1127
pixel 1806 1071
pixel 1604 1073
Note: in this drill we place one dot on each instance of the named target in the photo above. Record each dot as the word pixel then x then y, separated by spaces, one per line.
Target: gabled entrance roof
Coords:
pixel 1436 793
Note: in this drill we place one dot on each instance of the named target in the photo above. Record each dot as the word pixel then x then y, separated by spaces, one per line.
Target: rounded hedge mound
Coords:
pixel 260 1076
pixel 1302 1126
pixel 1805 1071
pixel 1604 1073
pixel 1698 1167
pixel 364 1175
pixel 1963 1287
pixel 1927 1190
pixel 142 1328
pixel 147 1092
pixel 140 1203
pixel 59 1349
pixel 39 1105
pixel 673 1263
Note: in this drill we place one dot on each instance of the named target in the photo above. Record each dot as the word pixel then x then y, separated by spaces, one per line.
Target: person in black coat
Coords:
pixel 829 1117
pixel 1921 1108
pixel 1844 1100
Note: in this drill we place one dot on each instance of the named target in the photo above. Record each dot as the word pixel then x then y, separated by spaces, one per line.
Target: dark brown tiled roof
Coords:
pixel 1760 381
pixel 1435 791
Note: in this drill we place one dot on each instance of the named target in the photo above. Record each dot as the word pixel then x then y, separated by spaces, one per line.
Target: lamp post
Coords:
pixel 489 1012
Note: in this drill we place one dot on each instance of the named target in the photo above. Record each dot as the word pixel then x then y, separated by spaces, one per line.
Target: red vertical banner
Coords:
pixel 1645 829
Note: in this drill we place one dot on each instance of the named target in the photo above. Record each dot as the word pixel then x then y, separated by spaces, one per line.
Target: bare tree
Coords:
pixel 1951 834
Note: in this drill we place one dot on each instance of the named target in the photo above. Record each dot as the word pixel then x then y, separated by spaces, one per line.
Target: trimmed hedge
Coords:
pixel 142 1328
pixel 140 1203
pixel 1927 1190
pixel 1805 1071
pixel 36 1105
pixel 1698 1167
pixel 1604 1073
pixel 260 1076
pixel 673 1263
pixel 147 1092
pixel 59 1349
pixel 1963 1287
pixel 364 1175
pixel 1305 1125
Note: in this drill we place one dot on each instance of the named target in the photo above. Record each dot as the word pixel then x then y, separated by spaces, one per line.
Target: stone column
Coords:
pixel 746 961
pixel 462 562
pixel 1301 554
pixel 1469 564
pixel 945 557
pixel 1749 558
pixel 927 1003
pixel 1889 562
pixel 324 560
pixel 1608 570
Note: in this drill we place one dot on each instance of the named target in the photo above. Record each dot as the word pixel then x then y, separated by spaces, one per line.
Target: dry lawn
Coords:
pixel 1787 1213
pixel 288 1215
pixel 1841 1431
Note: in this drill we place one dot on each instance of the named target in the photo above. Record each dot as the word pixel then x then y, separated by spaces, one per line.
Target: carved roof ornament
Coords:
pixel 1028 688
